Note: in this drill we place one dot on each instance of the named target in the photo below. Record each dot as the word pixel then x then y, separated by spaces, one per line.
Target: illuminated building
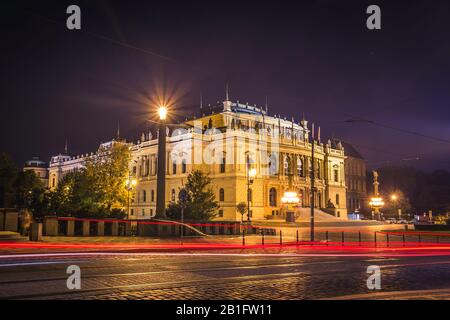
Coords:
pixel 225 141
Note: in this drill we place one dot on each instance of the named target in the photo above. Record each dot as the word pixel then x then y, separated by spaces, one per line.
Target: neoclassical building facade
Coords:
pixel 228 141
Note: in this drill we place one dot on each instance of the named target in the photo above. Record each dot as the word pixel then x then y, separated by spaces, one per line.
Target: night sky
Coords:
pixel 316 58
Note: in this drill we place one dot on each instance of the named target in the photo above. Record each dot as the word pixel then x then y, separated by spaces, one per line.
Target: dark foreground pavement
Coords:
pixel 222 275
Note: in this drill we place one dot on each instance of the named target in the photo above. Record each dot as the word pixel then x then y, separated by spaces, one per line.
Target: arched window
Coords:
pixel 153 196
pixel 183 166
pixel 273 197
pixel 144 196
pixel 287 165
pixel 299 167
pixel 273 165
pixel 221 195
pixel 173 195
pixel 337 199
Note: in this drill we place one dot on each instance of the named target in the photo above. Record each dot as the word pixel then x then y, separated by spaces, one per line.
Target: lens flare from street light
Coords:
pixel 394 197
pixel 162 113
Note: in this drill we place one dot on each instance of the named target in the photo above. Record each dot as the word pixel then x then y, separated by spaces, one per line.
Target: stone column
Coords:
pixel 86 226
pixel 11 221
pixel 100 228
pixel 70 229
pixel 36 232
pixel 51 226
pixel 2 220
pixel 114 228
pixel 127 229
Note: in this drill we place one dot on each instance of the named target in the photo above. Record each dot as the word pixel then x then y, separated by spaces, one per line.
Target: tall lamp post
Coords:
pixel 290 199
pixel 251 174
pixel 130 184
pixel 394 198
pixel 161 175
pixel 313 188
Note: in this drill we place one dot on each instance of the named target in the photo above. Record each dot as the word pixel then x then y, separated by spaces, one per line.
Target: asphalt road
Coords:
pixel 216 275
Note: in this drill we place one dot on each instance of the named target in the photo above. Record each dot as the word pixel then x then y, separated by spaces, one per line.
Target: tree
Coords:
pixel 201 203
pixel 242 209
pixel 395 201
pixel 106 174
pixel 8 176
pixel 26 185
pixel 98 189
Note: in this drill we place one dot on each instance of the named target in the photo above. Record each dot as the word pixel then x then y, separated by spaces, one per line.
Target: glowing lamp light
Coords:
pixel 252 173
pixel 290 198
pixel 394 197
pixel 162 113
pixel 131 183
pixel 376 202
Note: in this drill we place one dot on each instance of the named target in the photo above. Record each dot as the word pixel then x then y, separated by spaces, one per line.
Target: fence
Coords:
pixel 68 226
pixel 350 238
pixel 248 235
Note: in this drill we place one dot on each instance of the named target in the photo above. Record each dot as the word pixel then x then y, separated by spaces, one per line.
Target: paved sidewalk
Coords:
pixel 436 294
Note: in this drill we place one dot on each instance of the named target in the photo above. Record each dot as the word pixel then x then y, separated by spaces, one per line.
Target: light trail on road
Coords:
pixel 210 254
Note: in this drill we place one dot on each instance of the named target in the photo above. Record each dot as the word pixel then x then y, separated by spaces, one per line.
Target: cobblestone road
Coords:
pixel 210 276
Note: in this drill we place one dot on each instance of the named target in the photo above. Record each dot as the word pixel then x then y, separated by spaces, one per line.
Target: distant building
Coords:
pixel 355 179
pixel 39 167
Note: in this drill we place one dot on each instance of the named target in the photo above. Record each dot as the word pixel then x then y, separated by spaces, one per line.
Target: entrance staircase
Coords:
pixel 319 215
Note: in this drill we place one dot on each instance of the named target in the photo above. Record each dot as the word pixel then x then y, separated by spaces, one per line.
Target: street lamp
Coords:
pixel 130 184
pixel 394 198
pixel 376 203
pixel 161 175
pixel 162 113
pixel 290 199
pixel 251 174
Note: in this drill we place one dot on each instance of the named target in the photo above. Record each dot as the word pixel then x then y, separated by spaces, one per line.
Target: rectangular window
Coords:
pixel 222 165
pixel 336 175
pixel 221 213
